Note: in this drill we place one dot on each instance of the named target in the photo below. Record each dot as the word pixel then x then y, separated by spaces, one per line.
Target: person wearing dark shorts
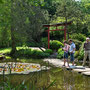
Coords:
pixel 72 51
pixel 66 49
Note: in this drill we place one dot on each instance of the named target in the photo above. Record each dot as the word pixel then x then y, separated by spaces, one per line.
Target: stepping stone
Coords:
pixel 80 67
pixel 71 67
pixel 86 73
pixel 81 70
pixel 75 67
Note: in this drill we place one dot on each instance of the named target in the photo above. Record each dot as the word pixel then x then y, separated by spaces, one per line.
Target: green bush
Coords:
pixel 81 55
pixel 76 54
pixel 77 43
pixel 44 42
pixel 81 52
pixel 55 44
pixel 32 44
pixel 79 37
pixel 60 53
pixel 31 53
pixel 24 52
pixel 48 51
pixel 44 55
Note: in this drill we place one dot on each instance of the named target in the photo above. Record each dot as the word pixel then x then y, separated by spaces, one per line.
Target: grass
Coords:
pixel 8 50
pixel 25 52
pixel 5 50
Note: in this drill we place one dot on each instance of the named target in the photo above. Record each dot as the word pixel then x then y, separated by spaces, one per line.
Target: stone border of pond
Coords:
pixel 59 63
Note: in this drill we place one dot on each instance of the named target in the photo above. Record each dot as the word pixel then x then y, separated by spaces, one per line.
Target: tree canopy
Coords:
pixel 21 21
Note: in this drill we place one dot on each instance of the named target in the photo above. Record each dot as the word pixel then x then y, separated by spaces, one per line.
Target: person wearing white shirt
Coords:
pixel 66 50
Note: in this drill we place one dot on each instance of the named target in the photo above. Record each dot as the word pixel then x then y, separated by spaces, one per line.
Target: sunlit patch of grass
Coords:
pixel 5 50
pixel 18 48
pixel 8 50
pixel 8 57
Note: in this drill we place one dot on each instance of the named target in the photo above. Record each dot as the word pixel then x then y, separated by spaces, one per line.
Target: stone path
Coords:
pixel 59 63
pixel 55 62
pixel 36 48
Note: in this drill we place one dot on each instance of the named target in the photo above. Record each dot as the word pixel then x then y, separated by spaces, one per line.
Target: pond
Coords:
pixel 63 79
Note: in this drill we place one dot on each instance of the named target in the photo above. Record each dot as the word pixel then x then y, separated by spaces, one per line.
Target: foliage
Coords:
pixel 48 51
pixel 81 52
pixel 55 44
pixel 60 53
pixel 57 35
pixel 30 53
pixel 21 21
pixel 77 43
pixel 32 85
pixel 76 54
pixel 81 55
pixel 79 37
pixel 31 44
pixel 5 50
pixel 44 42
pixel 27 52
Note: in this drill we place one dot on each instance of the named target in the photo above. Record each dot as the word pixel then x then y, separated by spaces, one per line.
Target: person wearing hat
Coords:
pixel 86 51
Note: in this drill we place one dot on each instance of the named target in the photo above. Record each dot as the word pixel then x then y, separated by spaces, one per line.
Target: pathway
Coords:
pixel 37 48
pixel 59 63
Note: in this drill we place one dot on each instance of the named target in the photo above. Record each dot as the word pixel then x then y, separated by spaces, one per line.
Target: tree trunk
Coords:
pixel 66 22
pixel 13 43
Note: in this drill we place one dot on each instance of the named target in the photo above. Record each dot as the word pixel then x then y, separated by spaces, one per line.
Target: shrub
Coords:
pixel 32 44
pixel 77 43
pixel 48 51
pixel 39 54
pixel 55 44
pixel 81 52
pixel 24 52
pixel 60 53
pixel 76 54
pixel 44 55
pixel 44 42
pixel 79 37
pixel 81 55
pixel 31 53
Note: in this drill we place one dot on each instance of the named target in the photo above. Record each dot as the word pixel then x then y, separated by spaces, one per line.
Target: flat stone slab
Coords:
pixel 56 62
pixel 75 67
pixel 59 63
pixel 81 70
pixel 86 73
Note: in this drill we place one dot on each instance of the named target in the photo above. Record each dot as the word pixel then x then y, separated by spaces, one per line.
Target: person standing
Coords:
pixel 66 50
pixel 86 51
pixel 72 51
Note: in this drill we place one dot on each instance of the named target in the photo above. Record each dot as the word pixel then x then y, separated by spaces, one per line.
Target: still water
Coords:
pixel 64 79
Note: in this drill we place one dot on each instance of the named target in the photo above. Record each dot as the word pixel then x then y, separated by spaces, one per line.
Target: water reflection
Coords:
pixel 64 79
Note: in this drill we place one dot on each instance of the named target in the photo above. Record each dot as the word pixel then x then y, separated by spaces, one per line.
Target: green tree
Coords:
pixel 4 24
pixel 27 20
pixel 69 10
